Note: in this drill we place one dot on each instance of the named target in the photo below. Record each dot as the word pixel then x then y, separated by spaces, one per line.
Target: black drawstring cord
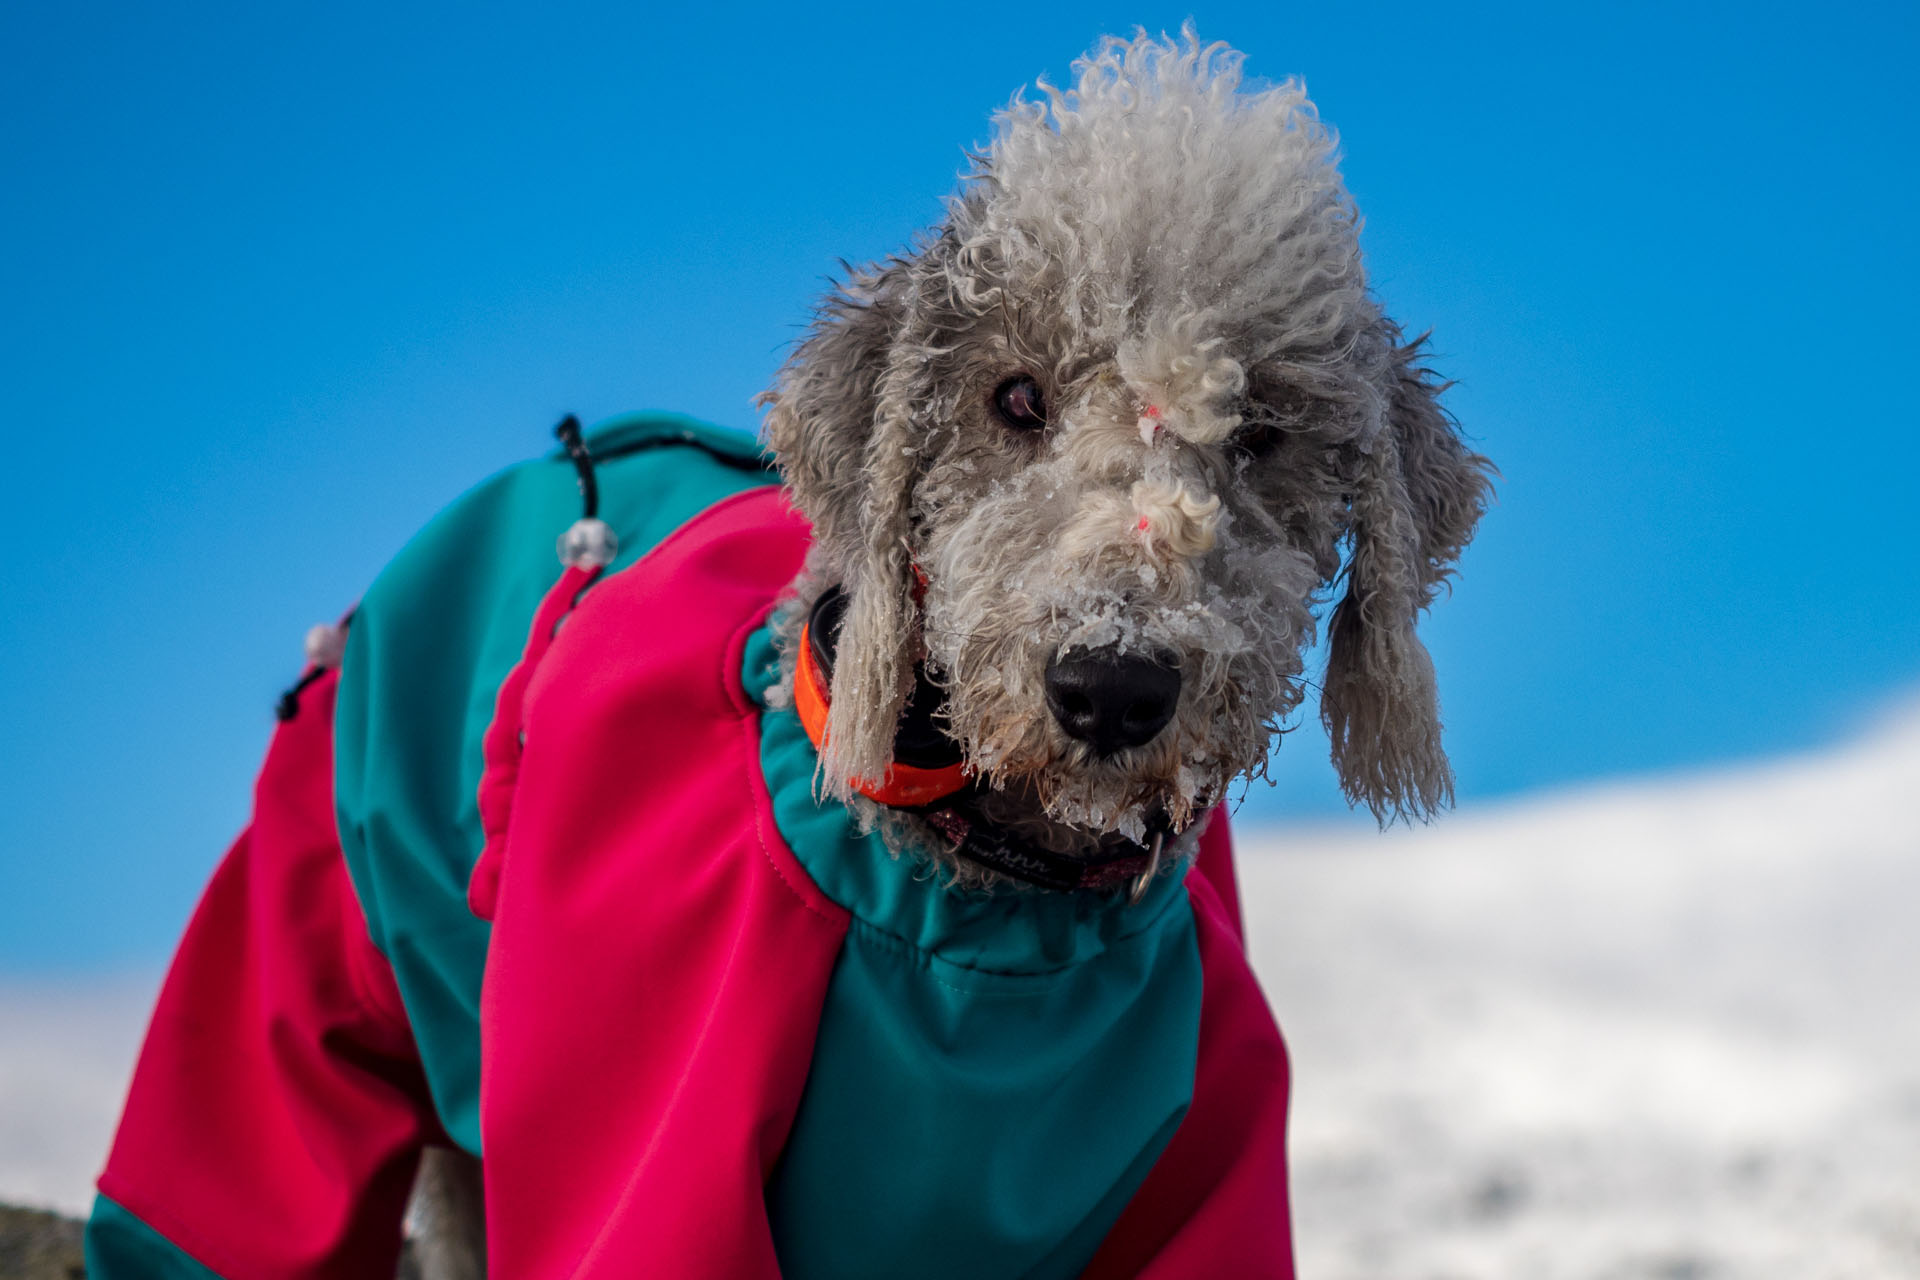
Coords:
pixel 569 434
pixel 289 705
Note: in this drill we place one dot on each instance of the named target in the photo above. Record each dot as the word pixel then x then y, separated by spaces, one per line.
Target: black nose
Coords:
pixel 1111 701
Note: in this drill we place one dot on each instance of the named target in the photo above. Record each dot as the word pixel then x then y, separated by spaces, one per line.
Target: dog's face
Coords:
pixel 1092 453
pixel 1116 610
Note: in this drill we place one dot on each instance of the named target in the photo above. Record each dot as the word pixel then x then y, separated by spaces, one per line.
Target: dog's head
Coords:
pixel 1093 449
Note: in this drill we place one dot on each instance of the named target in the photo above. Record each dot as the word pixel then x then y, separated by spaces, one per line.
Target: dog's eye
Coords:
pixel 1258 440
pixel 1019 404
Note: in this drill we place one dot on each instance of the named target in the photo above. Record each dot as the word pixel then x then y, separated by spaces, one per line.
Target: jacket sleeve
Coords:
pixel 1216 1203
pixel 659 959
pixel 278 1109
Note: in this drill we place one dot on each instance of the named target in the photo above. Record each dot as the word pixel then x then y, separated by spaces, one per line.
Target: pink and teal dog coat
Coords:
pixel 539 873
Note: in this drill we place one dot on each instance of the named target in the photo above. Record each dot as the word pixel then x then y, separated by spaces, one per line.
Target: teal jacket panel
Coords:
pixel 426 653
pixel 119 1246
pixel 994 1074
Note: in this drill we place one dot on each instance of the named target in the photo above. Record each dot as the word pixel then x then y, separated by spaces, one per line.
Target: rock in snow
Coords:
pixel 35 1245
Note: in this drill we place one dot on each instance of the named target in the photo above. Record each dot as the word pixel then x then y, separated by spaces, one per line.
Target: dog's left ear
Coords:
pixel 1420 493
pixel 841 424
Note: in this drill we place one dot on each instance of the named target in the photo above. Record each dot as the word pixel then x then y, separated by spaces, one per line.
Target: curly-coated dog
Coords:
pixel 823 873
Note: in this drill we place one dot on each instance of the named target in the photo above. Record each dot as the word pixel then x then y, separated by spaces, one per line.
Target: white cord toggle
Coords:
pixel 589 544
pixel 326 644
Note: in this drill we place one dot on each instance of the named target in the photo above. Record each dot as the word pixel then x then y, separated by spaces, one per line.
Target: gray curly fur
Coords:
pixel 1154 240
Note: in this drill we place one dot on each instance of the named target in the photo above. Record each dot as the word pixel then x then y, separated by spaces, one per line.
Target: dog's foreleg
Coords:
pixel 446 1218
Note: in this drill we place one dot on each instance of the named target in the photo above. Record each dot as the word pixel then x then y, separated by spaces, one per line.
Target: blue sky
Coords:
pixel 279 283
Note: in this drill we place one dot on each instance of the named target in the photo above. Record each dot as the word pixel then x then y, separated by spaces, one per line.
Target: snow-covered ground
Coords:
pixel 1666 1029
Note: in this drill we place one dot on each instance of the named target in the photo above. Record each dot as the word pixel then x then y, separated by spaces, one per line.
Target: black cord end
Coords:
pixel 289 705
pixel 568 433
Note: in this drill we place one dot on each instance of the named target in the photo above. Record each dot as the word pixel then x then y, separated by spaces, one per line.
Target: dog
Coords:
pixel 844 856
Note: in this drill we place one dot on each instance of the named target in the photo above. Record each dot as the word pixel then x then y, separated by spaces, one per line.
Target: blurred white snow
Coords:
pixel 66 1051
pixel 1664 1029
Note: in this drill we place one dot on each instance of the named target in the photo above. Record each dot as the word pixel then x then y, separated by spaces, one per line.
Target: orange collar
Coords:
pixel 905 786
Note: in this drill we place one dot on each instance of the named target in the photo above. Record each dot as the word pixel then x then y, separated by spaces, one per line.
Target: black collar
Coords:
pixel 1132 867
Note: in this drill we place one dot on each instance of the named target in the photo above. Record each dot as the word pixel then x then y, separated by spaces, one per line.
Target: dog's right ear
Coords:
pixel 1420 492
pixel 840 422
